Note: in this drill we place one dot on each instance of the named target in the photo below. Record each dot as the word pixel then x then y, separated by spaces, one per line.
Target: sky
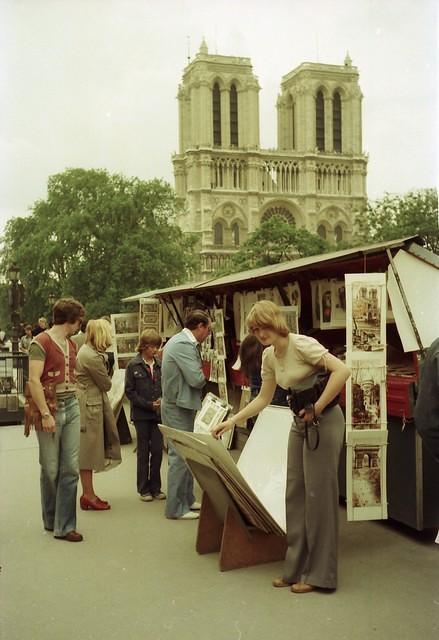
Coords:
pixel 93 83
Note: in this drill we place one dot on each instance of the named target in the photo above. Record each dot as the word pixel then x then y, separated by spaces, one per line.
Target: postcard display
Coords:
pixel 213 411
pixel 126 337
pixel 216 356
pixel 366 410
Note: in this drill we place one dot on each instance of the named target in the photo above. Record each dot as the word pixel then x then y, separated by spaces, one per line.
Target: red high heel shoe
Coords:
pixel 94 505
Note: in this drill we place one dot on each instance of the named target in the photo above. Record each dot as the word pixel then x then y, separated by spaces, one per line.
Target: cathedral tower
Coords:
pixel 316 179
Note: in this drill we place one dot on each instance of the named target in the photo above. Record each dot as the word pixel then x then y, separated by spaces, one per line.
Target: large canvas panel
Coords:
pixel 263 461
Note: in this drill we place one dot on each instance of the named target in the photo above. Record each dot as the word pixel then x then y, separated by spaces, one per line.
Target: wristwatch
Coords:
pixel 46 414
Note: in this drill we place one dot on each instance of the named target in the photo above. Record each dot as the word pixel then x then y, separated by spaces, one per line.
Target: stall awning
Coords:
pixel 245 278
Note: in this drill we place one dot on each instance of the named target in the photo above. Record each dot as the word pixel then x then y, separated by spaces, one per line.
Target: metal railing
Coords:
pixel 14 372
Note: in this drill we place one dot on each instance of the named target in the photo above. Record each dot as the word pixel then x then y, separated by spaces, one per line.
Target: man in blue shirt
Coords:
pixel 182 384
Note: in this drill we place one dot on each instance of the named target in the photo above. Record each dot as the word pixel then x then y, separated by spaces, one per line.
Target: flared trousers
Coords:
pixel 312 503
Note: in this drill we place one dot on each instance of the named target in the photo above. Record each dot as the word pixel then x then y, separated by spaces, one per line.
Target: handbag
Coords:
pixel 32 415
pixel 304 396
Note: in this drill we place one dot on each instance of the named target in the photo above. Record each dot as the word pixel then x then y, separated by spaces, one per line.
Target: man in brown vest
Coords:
pixel 52 360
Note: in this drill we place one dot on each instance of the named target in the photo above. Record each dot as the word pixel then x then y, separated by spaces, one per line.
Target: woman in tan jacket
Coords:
pixel 100 447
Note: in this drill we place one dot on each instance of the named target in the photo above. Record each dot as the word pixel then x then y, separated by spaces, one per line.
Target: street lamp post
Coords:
pixel 16 299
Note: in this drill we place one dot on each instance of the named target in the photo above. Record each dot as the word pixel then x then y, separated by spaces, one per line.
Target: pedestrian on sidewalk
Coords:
pixel 143 388
pixel 182 383
pixel 100 446
pixel 52 360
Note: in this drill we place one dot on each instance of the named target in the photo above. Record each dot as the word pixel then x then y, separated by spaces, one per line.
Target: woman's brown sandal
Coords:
pixel 302 587
pixel 280 582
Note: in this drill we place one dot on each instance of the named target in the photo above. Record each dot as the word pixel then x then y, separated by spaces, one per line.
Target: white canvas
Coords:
pixel 420 282
pixel 263 461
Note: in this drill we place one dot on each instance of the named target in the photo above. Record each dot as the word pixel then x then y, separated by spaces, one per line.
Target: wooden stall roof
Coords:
pixel 262 276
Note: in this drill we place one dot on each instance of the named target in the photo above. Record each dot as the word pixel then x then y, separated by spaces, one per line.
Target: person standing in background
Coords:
pixel 41 326
pixel 24 342
pixel 52 360
pixel 100 446
pixel 144 390
pixel 182 384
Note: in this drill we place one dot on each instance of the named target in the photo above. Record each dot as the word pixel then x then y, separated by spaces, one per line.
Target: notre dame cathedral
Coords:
pixel 228 185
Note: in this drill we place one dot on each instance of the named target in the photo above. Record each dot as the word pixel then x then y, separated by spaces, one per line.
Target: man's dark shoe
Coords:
pixel 71 536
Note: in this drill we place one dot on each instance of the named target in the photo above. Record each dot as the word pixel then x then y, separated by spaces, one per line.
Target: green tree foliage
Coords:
pixel 396 216
pixel 98 237
pixel 276 241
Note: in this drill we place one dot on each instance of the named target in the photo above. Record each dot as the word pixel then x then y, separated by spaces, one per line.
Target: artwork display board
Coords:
pixel 243 302
pixel 126 337
pixel 149 314
pixel 328 304
pixel 366 404
pixel 212 412
pixel 292 318
pixel 218 355
pixel 170 323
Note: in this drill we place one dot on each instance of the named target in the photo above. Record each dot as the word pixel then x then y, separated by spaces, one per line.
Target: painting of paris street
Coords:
pixel 367 395
pixel 366 476
pixel 366 317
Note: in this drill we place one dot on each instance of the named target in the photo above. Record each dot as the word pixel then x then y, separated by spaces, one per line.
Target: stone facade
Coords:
pixel 316 178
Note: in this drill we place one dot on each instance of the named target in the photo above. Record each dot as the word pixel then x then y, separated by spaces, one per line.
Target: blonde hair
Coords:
pixel 267 315
pixel 149 338
pixel 99 334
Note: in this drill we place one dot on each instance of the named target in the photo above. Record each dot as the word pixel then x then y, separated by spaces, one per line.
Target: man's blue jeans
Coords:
pixel 59 454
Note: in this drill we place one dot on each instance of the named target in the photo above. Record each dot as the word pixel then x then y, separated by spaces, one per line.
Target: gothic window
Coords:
pixel 218 233
pixel 336 121
pixel 233 116
pixel 321 230
pixel 338 232
pixel 320 122
pixel 280 212
pixel 235 234
pixel 216 112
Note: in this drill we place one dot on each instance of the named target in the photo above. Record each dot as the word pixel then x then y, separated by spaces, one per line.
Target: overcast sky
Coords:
pixel 93 83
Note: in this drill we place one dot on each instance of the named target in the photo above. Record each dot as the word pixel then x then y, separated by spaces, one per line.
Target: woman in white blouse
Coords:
pixel 312 482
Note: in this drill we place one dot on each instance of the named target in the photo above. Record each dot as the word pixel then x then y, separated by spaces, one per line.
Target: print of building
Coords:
pixel 228 185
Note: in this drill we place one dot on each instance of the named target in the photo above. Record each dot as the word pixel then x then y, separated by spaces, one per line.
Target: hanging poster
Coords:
pixel 338 304
pixel 219 321
pixel 149 314
pixel 366 402
pixel 220 346
pixel 238 320
pixel 366 485
pixel 315 303
pixel 366 407
pixel 126 337
pixel 292 318
pixel 366 312
pixel 294 295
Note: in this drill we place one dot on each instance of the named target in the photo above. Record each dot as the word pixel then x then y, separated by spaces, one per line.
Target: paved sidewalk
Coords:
pixel 137 576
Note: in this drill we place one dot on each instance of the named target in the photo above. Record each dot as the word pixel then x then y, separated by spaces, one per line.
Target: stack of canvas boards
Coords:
pixel 209 452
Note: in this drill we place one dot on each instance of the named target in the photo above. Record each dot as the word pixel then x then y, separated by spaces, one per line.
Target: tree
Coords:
pixel 396 216
pixel 99 238
pixel 275 241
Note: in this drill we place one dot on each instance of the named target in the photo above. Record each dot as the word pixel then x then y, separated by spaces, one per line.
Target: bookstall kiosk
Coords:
pixel 412 479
